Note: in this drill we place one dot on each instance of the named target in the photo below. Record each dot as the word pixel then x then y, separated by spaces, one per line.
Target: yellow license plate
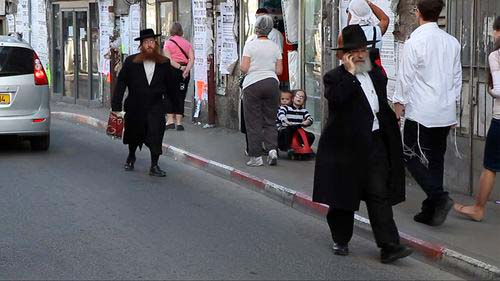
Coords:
pixel 4 98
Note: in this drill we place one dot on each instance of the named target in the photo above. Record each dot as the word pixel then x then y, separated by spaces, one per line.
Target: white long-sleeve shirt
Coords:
pixel 429 81
pixel 494 60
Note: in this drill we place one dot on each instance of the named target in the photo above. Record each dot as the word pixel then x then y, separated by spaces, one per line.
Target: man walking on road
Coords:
pixel 360 153
pixel 147 77
pixel 427 91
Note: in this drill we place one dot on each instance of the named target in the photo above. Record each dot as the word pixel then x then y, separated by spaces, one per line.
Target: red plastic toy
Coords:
pixel 300 149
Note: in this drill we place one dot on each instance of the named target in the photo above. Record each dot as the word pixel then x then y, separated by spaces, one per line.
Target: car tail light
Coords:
pixel 40 75
pixel 39 120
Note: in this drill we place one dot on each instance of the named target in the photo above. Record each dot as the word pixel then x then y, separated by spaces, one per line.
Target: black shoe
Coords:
pixel 427 213
pixel 129 165
pixel 340 250
pixel 392 253
pixel 180 128
pixel 170 126
pixel 441 211
pixel 155 171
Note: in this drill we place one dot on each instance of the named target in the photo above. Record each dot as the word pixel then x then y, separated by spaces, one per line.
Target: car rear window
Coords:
pixel 15 61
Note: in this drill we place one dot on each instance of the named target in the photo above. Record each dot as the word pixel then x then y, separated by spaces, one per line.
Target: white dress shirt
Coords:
pixel 371 96
pixel 149 68
pixel 429 80
pixel 494 60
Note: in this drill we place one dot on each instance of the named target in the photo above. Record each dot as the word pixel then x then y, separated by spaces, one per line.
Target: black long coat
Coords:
pixel 145 104
pixel 343 148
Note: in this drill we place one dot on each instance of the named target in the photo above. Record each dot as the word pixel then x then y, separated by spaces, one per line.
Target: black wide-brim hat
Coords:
pixel 354 37
pixel 146 33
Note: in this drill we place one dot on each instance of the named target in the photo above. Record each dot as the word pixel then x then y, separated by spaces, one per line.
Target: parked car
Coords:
pixel 24 93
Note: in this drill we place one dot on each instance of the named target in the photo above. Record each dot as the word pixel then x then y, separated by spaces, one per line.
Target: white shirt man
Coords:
pixel 428 88
pixel 430 77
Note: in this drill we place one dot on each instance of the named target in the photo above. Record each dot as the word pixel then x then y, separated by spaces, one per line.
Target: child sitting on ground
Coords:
pixel 293 116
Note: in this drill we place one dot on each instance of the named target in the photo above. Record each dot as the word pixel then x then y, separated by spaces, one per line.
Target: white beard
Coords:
pixel 364 67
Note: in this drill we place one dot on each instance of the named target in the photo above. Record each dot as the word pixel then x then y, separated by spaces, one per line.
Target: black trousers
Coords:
pixel 176 99
pixel 376 196
pixel 433 144
pixel 285 136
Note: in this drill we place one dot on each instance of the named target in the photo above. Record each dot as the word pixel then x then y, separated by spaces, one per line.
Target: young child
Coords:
pixel 291 117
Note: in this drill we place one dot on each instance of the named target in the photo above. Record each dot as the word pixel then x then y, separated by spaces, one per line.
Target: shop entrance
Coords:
pixel 75 53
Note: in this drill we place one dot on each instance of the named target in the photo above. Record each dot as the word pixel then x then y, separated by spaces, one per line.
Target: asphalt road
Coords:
pixel 73 213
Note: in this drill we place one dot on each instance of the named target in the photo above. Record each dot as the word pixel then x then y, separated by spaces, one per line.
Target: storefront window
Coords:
pixel 312 59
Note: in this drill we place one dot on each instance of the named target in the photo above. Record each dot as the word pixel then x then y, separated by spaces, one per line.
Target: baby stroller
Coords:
pixel 300 148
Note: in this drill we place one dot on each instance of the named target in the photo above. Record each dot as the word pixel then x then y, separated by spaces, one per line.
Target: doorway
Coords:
pixel 75 48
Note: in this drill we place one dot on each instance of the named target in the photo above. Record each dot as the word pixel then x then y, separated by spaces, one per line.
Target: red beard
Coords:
pixel 152 55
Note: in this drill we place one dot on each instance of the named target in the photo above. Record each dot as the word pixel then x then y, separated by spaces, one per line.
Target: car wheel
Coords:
pixel 40 143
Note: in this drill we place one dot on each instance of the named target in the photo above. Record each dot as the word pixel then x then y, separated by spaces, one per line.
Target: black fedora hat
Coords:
pixel 146 33
pixel 353 37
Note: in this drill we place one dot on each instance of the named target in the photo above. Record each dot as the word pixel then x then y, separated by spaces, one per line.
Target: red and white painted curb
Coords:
pixel 294 199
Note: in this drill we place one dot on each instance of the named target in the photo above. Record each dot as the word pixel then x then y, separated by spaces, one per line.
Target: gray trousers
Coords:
pixel 260 106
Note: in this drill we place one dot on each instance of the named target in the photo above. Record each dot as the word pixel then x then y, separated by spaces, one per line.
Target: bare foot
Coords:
pixel 473 212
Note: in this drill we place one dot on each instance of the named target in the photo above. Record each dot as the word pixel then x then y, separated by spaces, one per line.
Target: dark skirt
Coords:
pixel 492 148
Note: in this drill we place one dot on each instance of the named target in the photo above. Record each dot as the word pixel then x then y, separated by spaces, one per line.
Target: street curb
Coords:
pixel 440 255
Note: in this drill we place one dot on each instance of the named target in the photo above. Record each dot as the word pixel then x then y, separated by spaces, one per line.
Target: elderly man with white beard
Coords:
pixel 360 154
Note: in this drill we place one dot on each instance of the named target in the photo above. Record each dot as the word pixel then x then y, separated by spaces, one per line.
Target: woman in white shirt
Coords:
pixel 491 158
pixel 262 63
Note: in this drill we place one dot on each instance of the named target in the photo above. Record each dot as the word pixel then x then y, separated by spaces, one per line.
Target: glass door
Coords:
pixel 76 63
pixel 69 61
pixel 82 55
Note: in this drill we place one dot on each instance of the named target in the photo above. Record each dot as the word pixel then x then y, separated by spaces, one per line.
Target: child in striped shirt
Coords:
pixel 293 116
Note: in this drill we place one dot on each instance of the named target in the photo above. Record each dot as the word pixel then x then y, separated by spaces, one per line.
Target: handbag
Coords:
pixel 115 126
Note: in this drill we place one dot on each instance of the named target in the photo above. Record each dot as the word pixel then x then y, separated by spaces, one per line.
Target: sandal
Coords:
pixel 462 209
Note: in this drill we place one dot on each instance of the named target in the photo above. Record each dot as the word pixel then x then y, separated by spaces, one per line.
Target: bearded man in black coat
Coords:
pixel 147 77
pixel 360 154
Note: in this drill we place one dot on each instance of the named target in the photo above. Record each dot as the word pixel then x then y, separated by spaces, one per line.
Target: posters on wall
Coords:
pixel 11 24
pixel 229 48
pixel 39 38
pixel 37 34
pixel 22 20
pixel 124 34
pixel 134 27
pixel 200 46
pixel 105 31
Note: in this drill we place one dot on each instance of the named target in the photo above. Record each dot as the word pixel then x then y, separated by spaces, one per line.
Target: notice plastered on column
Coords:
pixel 200 47
pixel 229 49
pixel 105 31
pixel 134 27
pixel 39 37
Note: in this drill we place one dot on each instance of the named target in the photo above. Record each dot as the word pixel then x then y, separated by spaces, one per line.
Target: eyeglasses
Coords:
pixel 149 41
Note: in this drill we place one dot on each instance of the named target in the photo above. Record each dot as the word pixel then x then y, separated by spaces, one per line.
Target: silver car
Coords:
pixel 24 93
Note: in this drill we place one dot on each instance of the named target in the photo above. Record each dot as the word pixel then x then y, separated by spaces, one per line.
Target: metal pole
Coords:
pixel 471 98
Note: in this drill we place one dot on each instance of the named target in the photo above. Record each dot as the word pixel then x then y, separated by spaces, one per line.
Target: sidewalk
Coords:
pixel 477 240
